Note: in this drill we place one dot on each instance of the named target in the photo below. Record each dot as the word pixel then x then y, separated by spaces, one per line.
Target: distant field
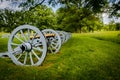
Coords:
pixel 86 56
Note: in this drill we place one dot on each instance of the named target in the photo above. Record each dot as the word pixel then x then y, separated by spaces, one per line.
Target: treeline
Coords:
pixel 111 27
pixel 41 17
pixel 73 18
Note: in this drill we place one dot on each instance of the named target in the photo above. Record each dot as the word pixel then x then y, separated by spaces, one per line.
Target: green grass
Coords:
pixel 113 36
pixel 91 56
pixel 3 44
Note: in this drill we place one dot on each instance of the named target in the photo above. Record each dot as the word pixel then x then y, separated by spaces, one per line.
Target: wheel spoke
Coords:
pixel 38 49
pixel 23 35
pixel 35 54
pixel 15 44
pixel 53 43
pixel 17 50
pixel 52 46
pixel 28 34
pixel 31 60
pixel 34 36
pixel 19 39
pixel 25 59
pixel 19 56
pixel 51 49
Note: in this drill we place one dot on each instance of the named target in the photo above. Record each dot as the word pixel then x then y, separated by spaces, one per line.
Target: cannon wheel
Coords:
pixel 66 36
pixel 24 50
pixel 53 42
pixel 62 36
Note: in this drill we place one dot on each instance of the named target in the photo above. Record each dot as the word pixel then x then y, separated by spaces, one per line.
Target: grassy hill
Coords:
pixel 90 56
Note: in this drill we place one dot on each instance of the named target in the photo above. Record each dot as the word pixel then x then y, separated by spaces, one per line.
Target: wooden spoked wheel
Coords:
pixel 23 49
pixel 53 42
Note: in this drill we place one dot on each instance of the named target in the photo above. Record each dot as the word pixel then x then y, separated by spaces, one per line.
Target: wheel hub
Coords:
pixel 26 47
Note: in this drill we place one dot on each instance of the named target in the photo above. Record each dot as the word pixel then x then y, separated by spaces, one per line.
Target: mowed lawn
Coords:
pixel 86 56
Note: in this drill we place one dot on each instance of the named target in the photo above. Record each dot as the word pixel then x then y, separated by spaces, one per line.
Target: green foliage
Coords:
pixel 80 15
pixel 9 20
pixel 78 20
pixel 115 8
pixel 83 57
pixel 92 5
pixel 40 16
pixel 112 27
pixel 117 26
pixel 73 16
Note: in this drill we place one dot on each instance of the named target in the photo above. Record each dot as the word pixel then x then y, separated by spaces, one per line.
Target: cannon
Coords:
pixel 28 46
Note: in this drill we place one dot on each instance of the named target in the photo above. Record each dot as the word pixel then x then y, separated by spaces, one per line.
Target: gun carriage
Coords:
pixel 28 46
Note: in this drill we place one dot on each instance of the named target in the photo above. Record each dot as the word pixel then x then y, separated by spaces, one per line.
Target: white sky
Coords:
pixel 106 19
pixel 4 5
pixel 8 4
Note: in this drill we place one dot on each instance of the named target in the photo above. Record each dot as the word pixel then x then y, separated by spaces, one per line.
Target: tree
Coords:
pixel 43 17
pixel 75 20
pixel 93 5
pixel 115 8
pixel 8 20
pixel 40 16
pixel 117 26
pixel 74 16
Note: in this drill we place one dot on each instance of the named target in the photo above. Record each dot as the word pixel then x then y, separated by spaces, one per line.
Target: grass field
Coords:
pixel 88 56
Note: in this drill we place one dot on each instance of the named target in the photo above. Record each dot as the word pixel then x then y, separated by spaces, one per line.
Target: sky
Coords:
pixel 10 5
pixel 56 7
pixel 14 6
pixel 107 20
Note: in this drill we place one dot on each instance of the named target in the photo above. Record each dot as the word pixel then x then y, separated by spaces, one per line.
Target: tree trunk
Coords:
pixel 80 29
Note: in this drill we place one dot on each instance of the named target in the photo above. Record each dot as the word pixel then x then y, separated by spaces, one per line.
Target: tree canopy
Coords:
pixel 115 8
pixel 93 5
pixel 73 15
pixel 41 16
